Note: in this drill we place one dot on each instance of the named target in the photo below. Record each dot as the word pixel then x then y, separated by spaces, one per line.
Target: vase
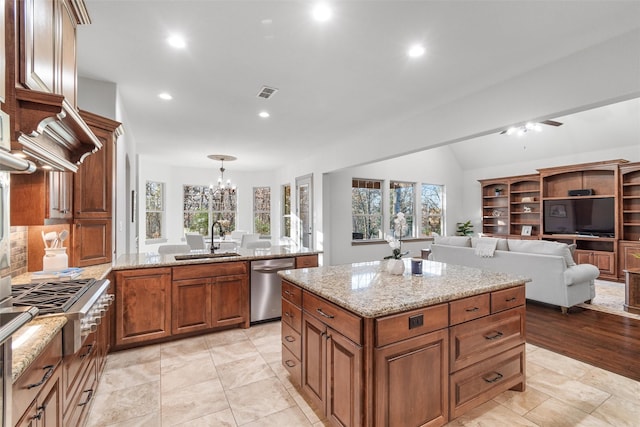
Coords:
pixel 395 266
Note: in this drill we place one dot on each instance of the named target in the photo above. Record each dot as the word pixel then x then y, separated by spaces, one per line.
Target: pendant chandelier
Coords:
pixel 224 189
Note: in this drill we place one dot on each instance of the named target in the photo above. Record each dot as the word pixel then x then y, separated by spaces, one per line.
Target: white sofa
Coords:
pixel 556 279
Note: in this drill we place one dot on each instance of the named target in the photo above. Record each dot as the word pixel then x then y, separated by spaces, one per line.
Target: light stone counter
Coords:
pixel 150 260
pixel 99 272
pixel 367 290
pixel 30 340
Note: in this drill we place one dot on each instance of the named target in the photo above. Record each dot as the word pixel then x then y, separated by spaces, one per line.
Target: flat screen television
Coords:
pixel 588 216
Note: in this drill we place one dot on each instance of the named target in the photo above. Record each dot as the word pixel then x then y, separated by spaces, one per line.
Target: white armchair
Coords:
pixel 195 241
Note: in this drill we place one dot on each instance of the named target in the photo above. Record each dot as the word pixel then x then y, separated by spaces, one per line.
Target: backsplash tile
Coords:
pixel 19 237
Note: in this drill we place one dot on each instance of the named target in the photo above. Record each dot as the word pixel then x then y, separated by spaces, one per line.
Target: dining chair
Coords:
pixel 173 249
pixel 246 238
pixel 195 241
pixel 259 244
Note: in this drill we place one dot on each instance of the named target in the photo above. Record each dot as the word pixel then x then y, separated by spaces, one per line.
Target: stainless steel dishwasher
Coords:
pixel 266 288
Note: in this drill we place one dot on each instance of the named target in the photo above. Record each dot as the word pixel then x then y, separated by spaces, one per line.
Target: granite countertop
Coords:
pixel 30 340
pixel 149 260
pixel 99 272
pixel 367 290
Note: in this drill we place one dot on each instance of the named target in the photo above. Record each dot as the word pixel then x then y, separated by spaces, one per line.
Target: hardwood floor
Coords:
pixel 601 339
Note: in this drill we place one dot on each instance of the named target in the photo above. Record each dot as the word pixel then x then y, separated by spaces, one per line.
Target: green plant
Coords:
pixel 464 228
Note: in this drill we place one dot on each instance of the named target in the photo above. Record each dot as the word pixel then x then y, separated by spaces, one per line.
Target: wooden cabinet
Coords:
pixel 628 255
pixel 407 343
pixel 629 245
pixel 605 261
pixel 79 379
pixel 332 372
pixel 37 394
pixel 92 242
pixel 41 198
pixel 495 207
pixel 306 261
pixel 292 331
pixel 210 296
pixel 142 305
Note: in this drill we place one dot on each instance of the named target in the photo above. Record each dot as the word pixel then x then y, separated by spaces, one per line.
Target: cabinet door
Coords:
pixel 93 182
pixel 418 364
pixel 344 380
pixel 191 308
pixel 30 417
pixel 605 261
pixel 60 195
pixel 143 305
pixel 91 242
pixel 50 402
pixel 313 360
pixel 629 257
pixel 230 303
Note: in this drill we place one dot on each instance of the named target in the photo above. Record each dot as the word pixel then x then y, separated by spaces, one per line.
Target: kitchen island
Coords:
pixel 370 348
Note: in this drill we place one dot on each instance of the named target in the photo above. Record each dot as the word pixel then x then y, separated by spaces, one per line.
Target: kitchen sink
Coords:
pixel 202 256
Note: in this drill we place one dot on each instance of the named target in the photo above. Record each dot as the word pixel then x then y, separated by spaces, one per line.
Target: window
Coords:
pixel 286 211
pixel 366 209
pixel 432 200
pixel 262 210
pixel 201 207
pixel 401 197
pixel 196 204
pixel 154 210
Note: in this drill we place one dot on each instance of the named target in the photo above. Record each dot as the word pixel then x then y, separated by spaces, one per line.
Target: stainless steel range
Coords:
pixel 83 302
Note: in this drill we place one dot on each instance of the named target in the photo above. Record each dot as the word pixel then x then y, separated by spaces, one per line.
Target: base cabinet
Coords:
pixel 396 368
pixel 332 372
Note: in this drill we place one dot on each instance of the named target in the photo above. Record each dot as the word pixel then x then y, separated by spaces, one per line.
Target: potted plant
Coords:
pixel 498 191
pixel 464 228
pixel 395 264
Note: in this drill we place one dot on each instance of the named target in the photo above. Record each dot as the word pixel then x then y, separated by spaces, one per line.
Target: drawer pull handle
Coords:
pixel 286 292
pixel 290 363
pixel 289 338
pixel 322 313
pixel 88 352
pixel 512 299
pixel 38 415
pixel 498 376
pixel 287 314
pixel 88 399
pixel 47 375
pixel 472 309
pixel 497 335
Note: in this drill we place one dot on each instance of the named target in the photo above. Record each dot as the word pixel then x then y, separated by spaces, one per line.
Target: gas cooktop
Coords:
pixel 50 297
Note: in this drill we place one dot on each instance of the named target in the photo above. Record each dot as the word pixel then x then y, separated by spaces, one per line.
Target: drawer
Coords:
pixel 77 409
pixel 292 365
pixel 507 298
pixel 398 327
pixel 292 315
pixel 292 340
pixel 34 378
pixel 292 293
pixel 480 339
pixel 217 269
pixel 340 320
pixel 479 383
pixel 307 261
pixel 470 308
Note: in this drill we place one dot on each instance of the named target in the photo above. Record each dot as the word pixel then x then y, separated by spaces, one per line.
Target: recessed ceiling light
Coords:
pixel 177 41
pixel 166 96
pixel 322 12
pixel 264 114
pixel 416 51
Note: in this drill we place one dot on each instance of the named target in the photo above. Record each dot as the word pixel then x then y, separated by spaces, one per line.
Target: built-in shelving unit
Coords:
pixel 629 245
pixel 495 207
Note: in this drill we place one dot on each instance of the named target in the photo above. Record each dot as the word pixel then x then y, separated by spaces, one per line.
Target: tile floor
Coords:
pixel 234 378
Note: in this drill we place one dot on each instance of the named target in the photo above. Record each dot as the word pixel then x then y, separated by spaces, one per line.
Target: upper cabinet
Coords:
pixel 3 81
pixel 41 64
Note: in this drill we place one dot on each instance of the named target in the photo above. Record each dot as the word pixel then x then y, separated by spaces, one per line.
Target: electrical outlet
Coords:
pixel 416 321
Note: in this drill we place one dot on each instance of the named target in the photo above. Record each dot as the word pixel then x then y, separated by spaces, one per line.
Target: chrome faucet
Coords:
pixel 213 247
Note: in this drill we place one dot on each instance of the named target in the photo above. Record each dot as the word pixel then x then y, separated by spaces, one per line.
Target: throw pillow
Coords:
pixel 543 247
pixel 501 245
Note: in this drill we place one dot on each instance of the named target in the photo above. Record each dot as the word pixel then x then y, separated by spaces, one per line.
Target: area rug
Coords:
pixel 609 299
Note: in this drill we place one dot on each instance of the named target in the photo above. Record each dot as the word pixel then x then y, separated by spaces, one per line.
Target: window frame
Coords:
pixel 370 218
pixel 285 226
pixel 162 212
pixel 258 212
pixel 212 215
pixel 409 216
pixel 441 215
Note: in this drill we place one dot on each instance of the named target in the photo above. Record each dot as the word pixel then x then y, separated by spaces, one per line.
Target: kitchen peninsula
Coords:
pixel 370 348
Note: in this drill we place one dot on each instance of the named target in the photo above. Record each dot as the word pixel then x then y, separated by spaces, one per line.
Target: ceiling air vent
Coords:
pixel 266 92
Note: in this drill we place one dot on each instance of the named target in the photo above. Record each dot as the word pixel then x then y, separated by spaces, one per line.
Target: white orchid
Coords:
pixel 395 238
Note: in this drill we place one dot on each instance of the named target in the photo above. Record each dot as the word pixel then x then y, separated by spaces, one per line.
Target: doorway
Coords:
pixel 304 192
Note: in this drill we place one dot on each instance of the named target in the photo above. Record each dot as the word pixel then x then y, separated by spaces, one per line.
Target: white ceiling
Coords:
pixel 334 78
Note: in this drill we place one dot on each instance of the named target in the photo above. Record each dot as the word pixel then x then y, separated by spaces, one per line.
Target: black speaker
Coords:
pixel 581 192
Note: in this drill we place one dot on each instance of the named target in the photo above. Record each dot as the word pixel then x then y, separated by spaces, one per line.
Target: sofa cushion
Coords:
pixel 453 241
pixel 543 247
pixel 501 244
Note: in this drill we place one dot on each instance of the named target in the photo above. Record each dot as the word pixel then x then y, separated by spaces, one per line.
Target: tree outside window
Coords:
pixel 201 209
pixel 366 209
pixel 286 209
pixel 154 209
pixel 402 198
pixel 432 201
pixel 262 210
